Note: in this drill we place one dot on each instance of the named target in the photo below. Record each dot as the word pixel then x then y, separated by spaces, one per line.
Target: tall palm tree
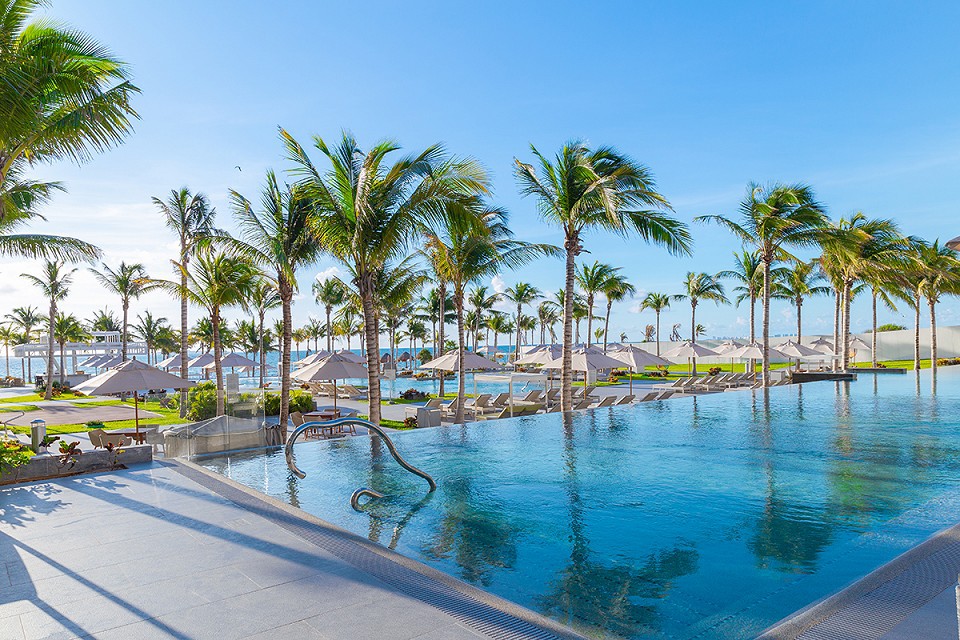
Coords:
pixel 583 189
pixel 263 297
pixel 697 287
pixel 499 324
pixel 25 319
pixel 432 307
pixel 482 301
pixel 150 330
pixel 521 294
pixel 216 280
pixel 474 243
pixel 592 279
pixel 798 283
pixel 657 302
pixel 773 218
pixel 940 267
pixel 329 293
pixel 103 320
pixel 67 328
pixel 190 217
pixel 64 97
pixel 129 281
pixel 8 336
pixel 548 314
pixel 54 282
pixel 615 289
pixel 748 273
pixel 279 236
pixel 368 212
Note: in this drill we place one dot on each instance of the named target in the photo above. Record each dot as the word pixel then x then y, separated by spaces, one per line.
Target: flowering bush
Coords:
pixel 13 454
pixel 410 422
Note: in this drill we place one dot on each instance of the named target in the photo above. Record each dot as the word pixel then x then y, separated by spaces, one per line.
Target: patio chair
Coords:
pixel 433 403
pixel 450 410
pixel 480 403
pixel 667 394
pixel 583 404
pixel 554 409
pixel 503 413
pixel 553 396
pixel 115 440
pixel 533 396
pixel 501 400
pixel 297 418
pixel 350 392
pixel 96 437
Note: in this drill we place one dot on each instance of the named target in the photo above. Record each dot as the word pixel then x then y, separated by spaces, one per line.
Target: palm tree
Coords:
pixel 657 302
pixel 748 273
pixel 521 294
pixel 103 320
pixel 281 237
pixel 369 212
pixel 263 297
pixel 482 302
pixel 330 293
pixel 25 319
pixel 593 279
pixel 8 336
pixel 615 289
pixel 214 282
pixel 129 281
pixel 940 267
pixel 55 283
pixel 798 283
pixel 475 243
pixel 150 330
pixel 582 189
pixel 548 314
pixel 63 97
pixel 190 217
pixel 432 307
pixel 773 218
pixel 67 328
pixel 697 287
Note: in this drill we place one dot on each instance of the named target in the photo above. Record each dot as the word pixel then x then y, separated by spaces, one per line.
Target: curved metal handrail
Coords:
pixel 288 450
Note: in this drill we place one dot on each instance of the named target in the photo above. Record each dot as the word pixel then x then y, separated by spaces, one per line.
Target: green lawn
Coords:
pixel 37 397
pixel 895 364
pixel 166 417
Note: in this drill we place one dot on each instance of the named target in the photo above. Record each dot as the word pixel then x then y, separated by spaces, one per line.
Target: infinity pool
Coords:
pixel 712 516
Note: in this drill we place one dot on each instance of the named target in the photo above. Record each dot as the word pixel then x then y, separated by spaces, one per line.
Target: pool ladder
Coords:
pixel 363 491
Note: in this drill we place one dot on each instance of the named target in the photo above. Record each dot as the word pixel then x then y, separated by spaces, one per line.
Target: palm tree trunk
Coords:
pixel 916 334
pixel 933 334
pixel 461 366
pixel 572 246
pixel 753 326
pixel 693 331
pixel 286 344
pixel 62 364
pixel 372 336
pixel 658 333
pixel 873 337
pixel 589 319
pixel 7 348
pixel 442 289
pixel 261 348
pixel 799 323
pixel 765 324
pixel 847 301
pixel 48 392
pixel 836 326
pixel 606 325
pixel 218 369
pixel 123 333
pixel 184 329
pixel 516 354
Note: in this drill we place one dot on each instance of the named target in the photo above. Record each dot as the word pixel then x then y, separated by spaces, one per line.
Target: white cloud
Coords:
pixel 328 273
pixel 498 283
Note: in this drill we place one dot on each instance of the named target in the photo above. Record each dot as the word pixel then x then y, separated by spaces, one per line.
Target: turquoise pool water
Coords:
pixel 711 517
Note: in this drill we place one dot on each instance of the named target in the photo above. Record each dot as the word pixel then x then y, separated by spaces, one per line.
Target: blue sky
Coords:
pixel 858 99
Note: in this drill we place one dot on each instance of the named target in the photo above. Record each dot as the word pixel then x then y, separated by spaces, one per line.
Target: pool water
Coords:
pixel 712 516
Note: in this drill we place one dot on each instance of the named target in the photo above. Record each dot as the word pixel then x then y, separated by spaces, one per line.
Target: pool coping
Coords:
pixel 547 627
pixel 852 602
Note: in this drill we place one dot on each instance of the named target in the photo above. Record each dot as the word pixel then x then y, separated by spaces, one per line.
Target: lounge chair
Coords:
pixel 433 403
pixel 503 413
pixel 480 403
pixel 624 400
pixel 533 396
pixel 450 410
pixel 667 394
pixel 583 404
pixel 350 392
pixel 96 437
pixel 501 400
pixel 650 396
pixel 606 401
pixel 114 440
pixel 553 396
pixel 554 409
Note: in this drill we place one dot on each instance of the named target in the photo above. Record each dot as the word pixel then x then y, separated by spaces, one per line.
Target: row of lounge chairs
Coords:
pixel 716 383
pixel 329 390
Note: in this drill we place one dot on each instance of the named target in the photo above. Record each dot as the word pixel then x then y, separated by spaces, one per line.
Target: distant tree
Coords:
pixel 55 283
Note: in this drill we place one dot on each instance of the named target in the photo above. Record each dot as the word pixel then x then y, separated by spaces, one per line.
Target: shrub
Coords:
pixel 299 401
pixel 713 370
pixel 202 400
pixel 410 422
pixel 945 362
pixel 413 394
pixel 13 454
pixel 424 356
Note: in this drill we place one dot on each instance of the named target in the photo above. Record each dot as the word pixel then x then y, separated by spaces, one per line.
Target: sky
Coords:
pixel 859 100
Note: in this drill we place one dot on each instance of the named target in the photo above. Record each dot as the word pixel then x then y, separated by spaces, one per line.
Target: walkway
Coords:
pixel 170 551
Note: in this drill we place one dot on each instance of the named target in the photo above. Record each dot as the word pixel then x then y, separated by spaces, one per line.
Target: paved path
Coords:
pixel 167 551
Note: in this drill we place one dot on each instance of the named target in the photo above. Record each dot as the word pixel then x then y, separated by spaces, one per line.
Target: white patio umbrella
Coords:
pixel 89 361
pixel 130 377
pixel 200 361
pixel 586 360
pixel 727 346
pixel 109 362
pixel 856 344
pixel 689 349
pixel 637 359
pixel 796 350
pixel 334 367
pixel 310 359
pixel 451 362
pixel 822 345
pixel 353 357
pixel 234 360
pixel 173 362
pixel 540 355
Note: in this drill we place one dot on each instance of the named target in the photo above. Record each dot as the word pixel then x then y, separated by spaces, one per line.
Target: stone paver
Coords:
pixel 149 553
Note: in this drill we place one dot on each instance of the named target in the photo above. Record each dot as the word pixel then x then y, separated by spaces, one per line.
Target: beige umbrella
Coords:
pixel 856 344
pixel 689 349
pixel 313 357
pixel 540 355
pixel 173 362
pixel 727 346
pixel 637 359
pixel 334 367
pixel 234 360
pixel 451 362
pixel 353 357
pixel 797 350
pixel 130 377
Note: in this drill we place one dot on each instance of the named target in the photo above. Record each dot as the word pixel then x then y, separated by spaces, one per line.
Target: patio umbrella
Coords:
pixel 313 357
pixel 451 362
pixel 350 355
pixel 822 345
pixel 130 377
pixel 173 362
pixel 586 360
pixel 89 361
pixel 856 344
pixel 637 359
pixel 687 349
pixel 954 244
pixel 109 362
pixel 404 357
pixel 727 346
pixel 200 361
pixel 234 360
pixel 540 355
pixel 796 350
pixel 334 367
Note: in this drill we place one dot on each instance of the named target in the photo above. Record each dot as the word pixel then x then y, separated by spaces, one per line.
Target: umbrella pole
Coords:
pixel 335 414
pixel 136 415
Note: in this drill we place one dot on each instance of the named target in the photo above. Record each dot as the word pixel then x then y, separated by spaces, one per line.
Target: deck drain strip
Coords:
pixel 479 616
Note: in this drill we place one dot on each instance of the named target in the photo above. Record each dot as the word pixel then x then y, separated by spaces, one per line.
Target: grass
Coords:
pixel 446 396
pixel 166 417
pixel 37 397
pixel 895 364
pixel 390 424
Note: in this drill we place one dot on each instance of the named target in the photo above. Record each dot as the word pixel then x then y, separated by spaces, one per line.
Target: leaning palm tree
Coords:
pixel 796 285
pixel 472 244
pixel 216 281
pixel 615 289
pixel 63 96
pixel 592 280
pixel 583 189
pixel 279 236
pixel 55 283
pixel 657 302
pixel 263 297
pixel 940 267
pixel 697 287
pixel 367 213
pixel 129 281
pixel 773 218
pixel 190 217
pixel 331 294
pixel 67 328
pixel 521 294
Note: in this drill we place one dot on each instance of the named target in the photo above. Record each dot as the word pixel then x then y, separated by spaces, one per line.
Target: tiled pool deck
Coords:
pixel 169 551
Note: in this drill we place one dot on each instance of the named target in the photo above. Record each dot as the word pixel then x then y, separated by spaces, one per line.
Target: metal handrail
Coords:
pixel 288 450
